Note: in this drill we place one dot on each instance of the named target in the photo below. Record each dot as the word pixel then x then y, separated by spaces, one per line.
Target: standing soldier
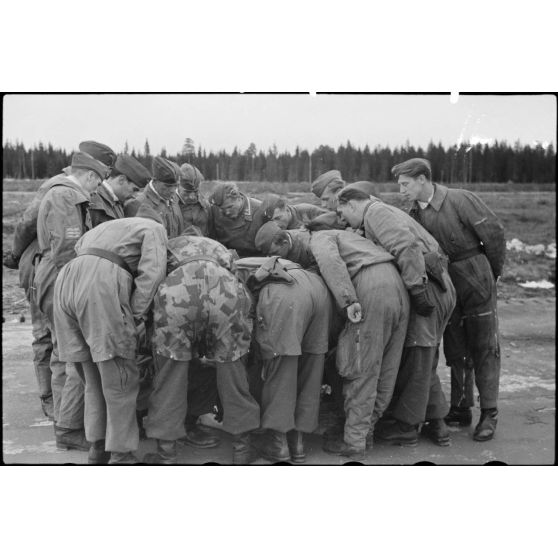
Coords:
pixel 236 219
pixel 107 201
pixel 60 223
pixel 290 216
pixel 200 309
pixel 473 238
pixel 24 253
pixel 102 298
pixel 194 207
pixel 418 395
pixel 158 200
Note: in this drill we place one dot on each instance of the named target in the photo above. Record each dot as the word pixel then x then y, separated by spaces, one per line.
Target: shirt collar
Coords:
pixel 438 197
pixel 150 185
pixel 109 189
pixel 424 205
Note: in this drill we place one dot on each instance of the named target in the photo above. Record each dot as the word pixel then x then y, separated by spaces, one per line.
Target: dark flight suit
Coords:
pixel 473 238
pixel 103 207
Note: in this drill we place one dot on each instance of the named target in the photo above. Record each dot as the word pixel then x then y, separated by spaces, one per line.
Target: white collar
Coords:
pixel 110 190
pixel 424 205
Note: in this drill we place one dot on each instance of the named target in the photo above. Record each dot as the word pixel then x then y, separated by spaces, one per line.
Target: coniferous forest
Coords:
pixel 500 162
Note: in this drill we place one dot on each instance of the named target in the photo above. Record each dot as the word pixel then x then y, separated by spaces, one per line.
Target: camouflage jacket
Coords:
pixel 460 221
pixel 185 247
pixel 103 207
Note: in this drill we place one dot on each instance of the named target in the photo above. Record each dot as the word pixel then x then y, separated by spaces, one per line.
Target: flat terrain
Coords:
pixel 526 430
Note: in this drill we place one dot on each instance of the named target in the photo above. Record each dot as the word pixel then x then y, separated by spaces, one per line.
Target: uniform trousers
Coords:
pixel 373 348
pixel 472 333
pixel 291 392
pixel 67 385
pixel 111 390
pixel 168 403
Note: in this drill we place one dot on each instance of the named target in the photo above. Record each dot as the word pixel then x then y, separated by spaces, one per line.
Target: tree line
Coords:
pixel 500 162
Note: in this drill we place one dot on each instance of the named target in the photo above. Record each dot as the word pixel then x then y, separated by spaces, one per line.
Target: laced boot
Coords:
pixel 47 406
pixel 69 439
pixel 166 453
pixel 123 458
pixel 486 427
pixel 295 441
pixel 399 433
pixel 275 447
pixel 244 452
pixel 459 416
pixel 437 431
pixel 199 436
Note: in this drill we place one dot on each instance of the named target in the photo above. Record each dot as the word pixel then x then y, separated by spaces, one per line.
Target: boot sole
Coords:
pixel 458 423
pixel 483 439
pixel 405 444
pixel 198 446
pixel 298 460
pixel 70 447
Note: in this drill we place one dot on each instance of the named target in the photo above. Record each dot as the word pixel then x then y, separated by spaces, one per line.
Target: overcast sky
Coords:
pixel 225 121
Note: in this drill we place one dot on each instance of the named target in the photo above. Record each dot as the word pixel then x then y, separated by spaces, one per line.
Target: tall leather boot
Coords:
pixel 295 441
pixel 166 453
pixel 486 427
pixel 97 454
pixel 244 451
pixel 275 447
pixel 69 439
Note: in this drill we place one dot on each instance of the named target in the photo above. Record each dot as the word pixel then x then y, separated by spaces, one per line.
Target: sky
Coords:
pixel 224 121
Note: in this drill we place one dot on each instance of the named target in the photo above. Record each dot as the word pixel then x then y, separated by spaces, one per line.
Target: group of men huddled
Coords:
pixel 153 306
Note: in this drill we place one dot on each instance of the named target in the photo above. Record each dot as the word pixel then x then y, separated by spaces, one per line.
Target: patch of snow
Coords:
pixel 537 249
pixel 543 284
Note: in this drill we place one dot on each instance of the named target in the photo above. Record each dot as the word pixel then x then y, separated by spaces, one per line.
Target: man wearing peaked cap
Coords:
pixel 194 207
pixel 368 188
pixel 99 151
pixel 107 202
pixel 61 221
pixel 325 187
pixel 24 249
pixel 290 216
pixel 159 197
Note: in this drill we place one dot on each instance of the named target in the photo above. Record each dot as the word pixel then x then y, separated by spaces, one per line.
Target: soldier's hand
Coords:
pixel 421 302
pixel 10 261
pixel 354 312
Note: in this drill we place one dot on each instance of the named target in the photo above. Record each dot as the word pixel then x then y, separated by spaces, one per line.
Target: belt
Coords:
pixel 466 254
pixel 107 255
pixel 199 257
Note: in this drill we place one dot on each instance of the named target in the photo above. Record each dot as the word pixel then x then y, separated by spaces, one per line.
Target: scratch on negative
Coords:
pixel 481 221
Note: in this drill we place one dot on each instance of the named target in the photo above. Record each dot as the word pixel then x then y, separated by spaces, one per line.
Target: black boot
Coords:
pixel 295 442
pixel 275 447
pixel 69 439
pixel 140 415
pixel 399 433
pixel 244 451
pixel 97 454
pixel 123 458
pixel 166 453
pixel 486 427
pixel 200 437
pixel 459 416
pixel 437 431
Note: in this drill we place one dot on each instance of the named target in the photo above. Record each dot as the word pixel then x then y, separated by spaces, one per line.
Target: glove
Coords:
pixel 10 261
pixel 421 302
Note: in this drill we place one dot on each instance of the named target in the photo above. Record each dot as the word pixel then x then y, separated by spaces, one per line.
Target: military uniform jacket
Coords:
pixel 460 222
pixel 302 214
pixel 26 228
pixel 167 212
pixel 399 234
pixel 143 246
pixel 240 233
pixel 60 223
pixel 103 207
pixel 196 214
pixel 340 256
